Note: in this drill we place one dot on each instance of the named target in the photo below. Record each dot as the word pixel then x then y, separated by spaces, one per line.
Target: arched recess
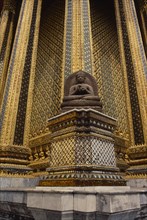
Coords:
pixel 107 64
pixel 48 76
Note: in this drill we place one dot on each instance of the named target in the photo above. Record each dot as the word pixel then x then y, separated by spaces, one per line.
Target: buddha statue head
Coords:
pixel 80 77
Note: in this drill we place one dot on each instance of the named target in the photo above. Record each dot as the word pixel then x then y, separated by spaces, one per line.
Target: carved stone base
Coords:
pixel 14 160
pixel 82 177
pixel 82 150
pixel 137 162
pixel 137 176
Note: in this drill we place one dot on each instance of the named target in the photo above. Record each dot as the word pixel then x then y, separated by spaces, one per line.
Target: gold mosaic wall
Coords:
pixel 48 78
pixel 107 66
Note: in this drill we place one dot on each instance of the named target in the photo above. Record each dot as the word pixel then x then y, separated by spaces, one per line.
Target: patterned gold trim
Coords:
pixel 5 47
pixel 90 38
pixel 77 37
pixel 136 176
pixel 64 49
pixel 38 174
pixel 16 175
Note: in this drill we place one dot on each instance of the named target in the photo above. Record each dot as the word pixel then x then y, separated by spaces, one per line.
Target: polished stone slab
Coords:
pixel 137 183
pixel 75 203
pixel 14 182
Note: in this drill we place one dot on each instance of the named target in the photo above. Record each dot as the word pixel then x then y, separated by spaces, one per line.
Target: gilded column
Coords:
pixel 6 35
pixel 34 46
pixel 135 66
pixel 138 153
pixel 13 111
pixel 139 60
pixel 121 31
pixel 78 41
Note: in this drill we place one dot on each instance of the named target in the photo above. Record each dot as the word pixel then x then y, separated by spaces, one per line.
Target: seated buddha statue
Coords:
pixel 81 92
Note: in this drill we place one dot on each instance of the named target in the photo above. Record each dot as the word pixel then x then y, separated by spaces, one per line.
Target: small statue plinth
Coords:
pixel 81 92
